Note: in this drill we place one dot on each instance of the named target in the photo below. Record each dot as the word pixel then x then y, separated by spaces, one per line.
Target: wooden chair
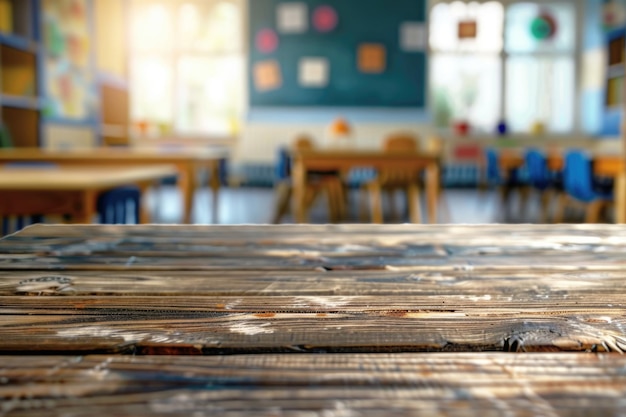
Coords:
pixel 327 182
pixel 392 180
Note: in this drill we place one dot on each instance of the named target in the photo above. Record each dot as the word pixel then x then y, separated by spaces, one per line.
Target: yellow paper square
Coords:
pixel 267 75
pixel 372 58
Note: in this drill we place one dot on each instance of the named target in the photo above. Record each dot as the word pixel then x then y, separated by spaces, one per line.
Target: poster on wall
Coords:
pixel 69 84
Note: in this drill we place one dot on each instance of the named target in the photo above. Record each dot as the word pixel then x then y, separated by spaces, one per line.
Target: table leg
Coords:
pixel 432 191
pixel 88 207
pixel 299 191
pixel 144 213
pixel 187 187
pixel 620 198
pixel 214 183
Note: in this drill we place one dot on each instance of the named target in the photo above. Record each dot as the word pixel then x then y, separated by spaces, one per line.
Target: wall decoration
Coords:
pixel 70 90
pixel 267 75
pixel 292 17
pixel 613 14
pixel 468 29
pixel 372 58
pixel 383 76
pixel 543 27
pixel 266 41
pixel 413 36
pixel 313 72
pixel 325 18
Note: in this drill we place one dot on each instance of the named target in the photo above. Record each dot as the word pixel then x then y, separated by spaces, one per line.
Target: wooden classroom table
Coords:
pixel 71 190
pixel 604 164
pixel 301 321
pixel 187 160
pixel 343 160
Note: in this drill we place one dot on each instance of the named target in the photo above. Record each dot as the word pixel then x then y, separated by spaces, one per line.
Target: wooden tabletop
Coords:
pixel 78 177
pixel 166 153
pixel 302 321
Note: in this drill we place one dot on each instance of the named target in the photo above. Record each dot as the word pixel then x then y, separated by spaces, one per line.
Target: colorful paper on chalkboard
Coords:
pixel 413 36
pixel 325 18
pixel 267 75
pixel 266 41
pixel 313 72
pixel 292 17
pixel 372 58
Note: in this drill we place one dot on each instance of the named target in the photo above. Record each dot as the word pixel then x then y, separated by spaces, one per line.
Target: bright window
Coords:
pixel 187 65
pixel 516 64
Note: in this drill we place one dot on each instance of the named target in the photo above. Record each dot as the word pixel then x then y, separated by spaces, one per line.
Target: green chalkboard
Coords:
pixel 401 84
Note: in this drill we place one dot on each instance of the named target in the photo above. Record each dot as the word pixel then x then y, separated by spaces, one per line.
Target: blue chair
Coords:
pixel 542 179
pixel 282 184
pixel 581 185
pixel 515 179
pixel 120 205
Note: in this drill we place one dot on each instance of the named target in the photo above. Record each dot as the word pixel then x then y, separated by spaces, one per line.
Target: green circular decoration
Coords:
pixel 543 27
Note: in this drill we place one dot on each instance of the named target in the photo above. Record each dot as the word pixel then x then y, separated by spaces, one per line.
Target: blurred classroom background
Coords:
pixel 255 75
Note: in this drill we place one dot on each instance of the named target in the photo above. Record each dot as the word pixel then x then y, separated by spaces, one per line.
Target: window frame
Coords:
pixel 173 56
pixel 576 54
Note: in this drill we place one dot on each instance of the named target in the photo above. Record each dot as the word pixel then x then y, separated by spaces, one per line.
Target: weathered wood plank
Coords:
pixel 347 247
pixel 163 332
pixel 314 385
pixel 479 284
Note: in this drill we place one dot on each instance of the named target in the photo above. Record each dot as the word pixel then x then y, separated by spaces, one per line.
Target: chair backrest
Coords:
pixel 578 176
pixel 283 165
pixel 401 143
pixel 303 143
pixel 537 169
pixel 492 167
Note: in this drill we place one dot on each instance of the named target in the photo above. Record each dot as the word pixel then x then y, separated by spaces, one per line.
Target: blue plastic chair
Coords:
pixel 494 177
pixel 539 176
pixel 119 206
pixel 581 185
pixel 542 179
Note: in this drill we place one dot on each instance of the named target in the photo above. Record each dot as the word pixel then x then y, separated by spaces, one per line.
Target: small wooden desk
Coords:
pixel 606 165
pixel 187 161
pixel 345 159
pixel 299 321
pixel 70 189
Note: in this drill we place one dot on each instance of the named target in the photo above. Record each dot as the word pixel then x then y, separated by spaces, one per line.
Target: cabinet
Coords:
pixel 20 90
pixel 615 46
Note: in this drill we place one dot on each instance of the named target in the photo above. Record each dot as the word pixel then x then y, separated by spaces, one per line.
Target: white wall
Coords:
pixel 259 141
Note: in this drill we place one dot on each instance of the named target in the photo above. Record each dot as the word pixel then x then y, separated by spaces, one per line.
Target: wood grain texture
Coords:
pixel 307 321
pixel 314 385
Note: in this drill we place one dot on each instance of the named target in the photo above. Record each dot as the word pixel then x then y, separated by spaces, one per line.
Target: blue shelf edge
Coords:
pixel 27 103
pixel 18 42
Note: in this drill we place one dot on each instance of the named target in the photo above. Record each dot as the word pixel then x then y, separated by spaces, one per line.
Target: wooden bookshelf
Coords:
pixel 20 94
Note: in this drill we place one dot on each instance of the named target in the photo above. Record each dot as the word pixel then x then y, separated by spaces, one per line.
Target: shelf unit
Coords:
pixel 614 98
pixel 20 92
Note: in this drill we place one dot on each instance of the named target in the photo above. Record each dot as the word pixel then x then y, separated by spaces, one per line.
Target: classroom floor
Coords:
pixel 243 205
